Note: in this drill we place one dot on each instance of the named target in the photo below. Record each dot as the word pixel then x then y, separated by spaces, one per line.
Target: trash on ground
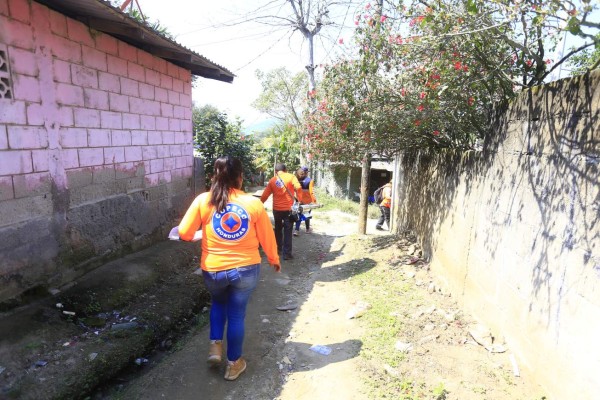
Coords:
pixel 124 325
pixel 358 310
pixel 321 349
pixel 41 363
pixel 286 360
pixel 287 307
pixel 413 260
pixel 92 356
pixel 334 310
pixel 483 336
pixel 70 313
pixel 431 287
pixel 141 361
pixel 403 347
pixel 428 338
pixel 429 327
pixel 59 305
pixel 2 369
pixel 265 321
pixel 390 370
pixel 513 360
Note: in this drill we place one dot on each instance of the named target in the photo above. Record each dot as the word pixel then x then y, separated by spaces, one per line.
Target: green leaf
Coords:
pixel 472 7
pixel 573 26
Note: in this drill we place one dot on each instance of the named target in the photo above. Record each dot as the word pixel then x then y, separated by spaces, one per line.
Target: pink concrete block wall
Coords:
pixel 89 98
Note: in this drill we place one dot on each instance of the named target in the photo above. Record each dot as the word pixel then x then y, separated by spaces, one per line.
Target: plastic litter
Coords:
pixel 513 360
pixel 287 307
pixel 125 325
pixel 141 361
pixel 358 310
pixel 321 349
pixel 403 347
pixel 41 363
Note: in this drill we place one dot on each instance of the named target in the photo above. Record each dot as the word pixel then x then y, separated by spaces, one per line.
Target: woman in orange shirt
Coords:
pixel 233 225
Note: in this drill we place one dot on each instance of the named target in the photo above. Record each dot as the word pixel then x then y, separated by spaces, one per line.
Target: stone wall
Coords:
pixel 95 148
pixel 514 233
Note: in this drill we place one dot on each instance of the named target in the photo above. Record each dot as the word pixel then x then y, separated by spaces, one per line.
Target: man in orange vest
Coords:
pixel 385 206
pixel 285 188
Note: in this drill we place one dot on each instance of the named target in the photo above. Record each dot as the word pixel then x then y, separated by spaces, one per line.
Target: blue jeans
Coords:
pixel 304 217
pixel 230 291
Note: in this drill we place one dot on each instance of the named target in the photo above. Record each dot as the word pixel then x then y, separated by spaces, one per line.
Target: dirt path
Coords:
pixel 324 281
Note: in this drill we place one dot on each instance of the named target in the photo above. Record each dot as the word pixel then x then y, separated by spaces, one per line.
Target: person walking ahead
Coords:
pixel 385 206
pixel 282 186
pixel 307 196
pixel 233 225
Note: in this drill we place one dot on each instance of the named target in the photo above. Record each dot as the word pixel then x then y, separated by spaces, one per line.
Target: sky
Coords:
pixel 201 25
pixel 214 29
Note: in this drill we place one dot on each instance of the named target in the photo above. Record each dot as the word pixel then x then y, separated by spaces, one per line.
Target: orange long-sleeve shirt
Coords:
pixel 282 201
pixel 307 195
pixel 230 238
pixel 387 195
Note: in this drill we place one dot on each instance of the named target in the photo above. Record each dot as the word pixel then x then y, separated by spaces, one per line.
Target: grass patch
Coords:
pixel 331 203
pixel 388 294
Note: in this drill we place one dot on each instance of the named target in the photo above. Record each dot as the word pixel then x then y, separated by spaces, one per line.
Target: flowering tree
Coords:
pixel 427 74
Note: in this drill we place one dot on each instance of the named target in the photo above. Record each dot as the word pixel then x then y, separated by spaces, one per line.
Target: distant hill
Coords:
pixel 259 126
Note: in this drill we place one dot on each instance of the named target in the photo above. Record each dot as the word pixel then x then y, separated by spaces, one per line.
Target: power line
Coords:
pixel 259 34
pixel 261 54
pixel 237 21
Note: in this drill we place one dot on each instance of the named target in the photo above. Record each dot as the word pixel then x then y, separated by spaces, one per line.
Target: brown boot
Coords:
pixel 214 352
pixel 234 369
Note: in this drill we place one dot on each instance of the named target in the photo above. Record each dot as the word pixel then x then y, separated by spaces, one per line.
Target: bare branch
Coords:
pixel 566 57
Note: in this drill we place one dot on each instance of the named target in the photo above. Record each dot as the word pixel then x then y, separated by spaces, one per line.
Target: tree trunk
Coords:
pixel 364 194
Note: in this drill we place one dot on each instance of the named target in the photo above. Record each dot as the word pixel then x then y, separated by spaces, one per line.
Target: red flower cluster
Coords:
pixel 416 21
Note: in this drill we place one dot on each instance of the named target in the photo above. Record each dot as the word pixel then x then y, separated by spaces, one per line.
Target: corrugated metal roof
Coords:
pixel 102 16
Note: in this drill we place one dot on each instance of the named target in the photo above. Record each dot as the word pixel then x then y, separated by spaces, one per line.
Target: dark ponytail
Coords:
pixel 227 172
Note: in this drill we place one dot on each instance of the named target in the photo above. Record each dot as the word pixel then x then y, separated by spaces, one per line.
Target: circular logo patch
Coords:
pixel 231 223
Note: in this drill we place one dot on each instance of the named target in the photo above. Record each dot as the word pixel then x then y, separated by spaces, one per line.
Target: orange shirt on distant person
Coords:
pixel 282 200
pixel 307 196
pixel 387 195
pixel 230 238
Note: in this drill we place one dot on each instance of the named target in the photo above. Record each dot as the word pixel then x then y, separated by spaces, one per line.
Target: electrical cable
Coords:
pixel 261 54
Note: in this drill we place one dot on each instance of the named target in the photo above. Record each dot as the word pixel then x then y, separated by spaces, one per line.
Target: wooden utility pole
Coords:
pixel 364 194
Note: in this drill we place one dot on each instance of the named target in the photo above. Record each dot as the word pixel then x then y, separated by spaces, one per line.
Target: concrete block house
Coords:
pixel 96 154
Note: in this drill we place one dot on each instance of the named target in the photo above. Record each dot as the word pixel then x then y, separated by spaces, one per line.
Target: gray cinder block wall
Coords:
pixel 513 231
